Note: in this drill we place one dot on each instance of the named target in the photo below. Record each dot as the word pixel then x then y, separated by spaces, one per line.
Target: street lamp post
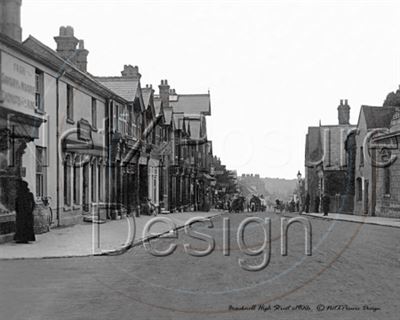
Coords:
pixel 300 191
pixel 321 186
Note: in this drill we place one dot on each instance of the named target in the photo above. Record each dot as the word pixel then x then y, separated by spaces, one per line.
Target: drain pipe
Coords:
pixel 58 146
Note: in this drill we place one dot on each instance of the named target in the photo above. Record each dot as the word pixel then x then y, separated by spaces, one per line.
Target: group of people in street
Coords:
pixel 321 203
pixel 239 203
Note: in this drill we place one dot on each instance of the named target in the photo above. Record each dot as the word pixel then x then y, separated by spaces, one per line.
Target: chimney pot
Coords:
pixel 69 31
pixel 62 31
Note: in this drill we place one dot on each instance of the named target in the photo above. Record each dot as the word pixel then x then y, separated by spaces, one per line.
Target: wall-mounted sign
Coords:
pixel 84 130
pixel 17 83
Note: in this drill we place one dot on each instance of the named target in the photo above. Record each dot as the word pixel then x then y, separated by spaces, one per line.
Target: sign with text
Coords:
pixel 17 83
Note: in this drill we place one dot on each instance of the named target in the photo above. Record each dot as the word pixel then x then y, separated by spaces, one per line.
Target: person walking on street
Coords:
pixel 24 205
pixel 325 204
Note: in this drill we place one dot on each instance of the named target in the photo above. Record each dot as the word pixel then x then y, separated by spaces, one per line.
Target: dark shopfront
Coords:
pixel 16 130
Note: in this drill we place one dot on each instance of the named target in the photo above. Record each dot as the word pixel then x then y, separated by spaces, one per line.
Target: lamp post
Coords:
pixel 300 190
pixel 321 185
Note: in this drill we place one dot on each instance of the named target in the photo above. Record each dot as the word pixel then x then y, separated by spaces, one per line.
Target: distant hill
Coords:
pixel 271 188
pixel 280 188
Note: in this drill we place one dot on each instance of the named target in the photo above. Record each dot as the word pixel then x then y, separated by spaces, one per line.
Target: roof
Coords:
pixel 377 117
pixel 192 104
pixel 125 87
pixel 52 59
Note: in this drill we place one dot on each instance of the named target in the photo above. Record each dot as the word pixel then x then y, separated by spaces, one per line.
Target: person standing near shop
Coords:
pixel 325 204
pixel 24 205
pixel 316 203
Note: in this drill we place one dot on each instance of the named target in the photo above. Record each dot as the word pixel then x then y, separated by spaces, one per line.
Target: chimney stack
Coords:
pixel 164 93
pixel 344 112
pixel 81 57
pixel 66 43
pixel 131 72
pixel 68 50
pixel 10 19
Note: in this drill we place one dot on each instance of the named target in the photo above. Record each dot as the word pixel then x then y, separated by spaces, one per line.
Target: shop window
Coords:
pixel 67 181
pixel 70 103
pixel 359 189
pixel 94 183
pixel 387 180
pixel 77 184
pixel 39 90
pixel 100 183
pixel 41 172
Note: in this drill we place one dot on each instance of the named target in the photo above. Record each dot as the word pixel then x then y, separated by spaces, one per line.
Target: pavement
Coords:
pixel 93 239
pixel 381 221
pixel 115 237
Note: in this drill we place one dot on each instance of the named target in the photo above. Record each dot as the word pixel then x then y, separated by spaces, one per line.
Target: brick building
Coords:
pixel 371 119
pixel 326 162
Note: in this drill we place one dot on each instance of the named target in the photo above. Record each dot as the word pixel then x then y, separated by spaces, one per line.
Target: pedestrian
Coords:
pixel 307 203
pixel 325 204
pixel 317 201
pixel 292 206
pixel 24 206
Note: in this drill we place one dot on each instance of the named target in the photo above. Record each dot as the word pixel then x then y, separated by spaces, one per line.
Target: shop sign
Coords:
pixel 84 130
pixel 17 83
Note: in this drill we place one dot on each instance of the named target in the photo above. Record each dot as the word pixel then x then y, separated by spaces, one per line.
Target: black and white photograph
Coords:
pixel 198 159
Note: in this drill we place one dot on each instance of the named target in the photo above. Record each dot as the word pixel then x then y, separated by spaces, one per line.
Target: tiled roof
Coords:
pixel 127 88
pixel 377 117
pixel 192 104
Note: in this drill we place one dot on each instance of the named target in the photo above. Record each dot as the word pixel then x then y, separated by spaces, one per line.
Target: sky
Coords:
pixel 273 68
